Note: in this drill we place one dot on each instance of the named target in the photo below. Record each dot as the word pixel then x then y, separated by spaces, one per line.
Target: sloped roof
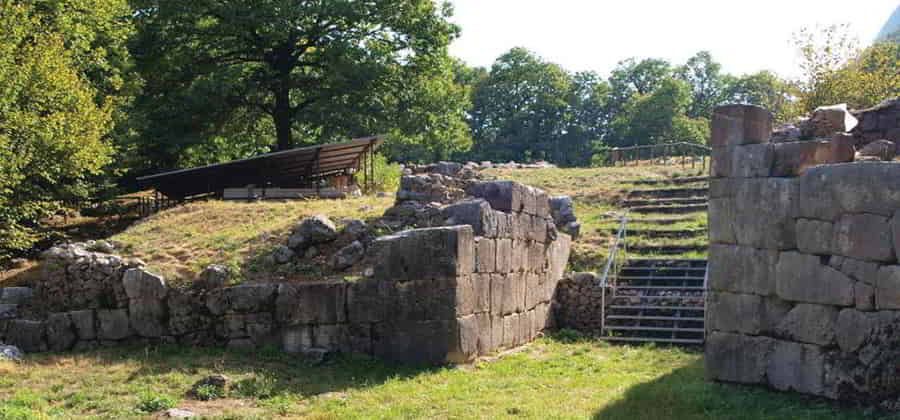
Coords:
pixel 285 167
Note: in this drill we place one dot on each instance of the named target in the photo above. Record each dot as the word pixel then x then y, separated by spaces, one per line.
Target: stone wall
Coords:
pixel 803 273
pixel 579 302
pixel 881 122
pixel 434 295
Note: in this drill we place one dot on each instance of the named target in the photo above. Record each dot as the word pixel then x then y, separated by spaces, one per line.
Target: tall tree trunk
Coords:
pixel 283 118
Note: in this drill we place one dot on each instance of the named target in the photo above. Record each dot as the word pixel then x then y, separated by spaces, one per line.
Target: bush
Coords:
pixel 151 402
pixel 260 387
pixel 209 392
pixel 387 175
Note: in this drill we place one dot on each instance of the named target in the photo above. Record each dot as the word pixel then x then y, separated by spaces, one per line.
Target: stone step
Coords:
pixel 657 263
pixel 664 233
pixel 666 249
pixel 652 279
pixel 644 202
pixel 661 221
pixel 669 193
pixel 630 287
pixel 654 318
pixel 658 308
pixel 671 181
pixel 640 328
pixel 654 340
pixel 671 209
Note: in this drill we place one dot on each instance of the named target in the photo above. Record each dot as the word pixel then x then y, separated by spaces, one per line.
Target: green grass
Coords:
pixel 552 378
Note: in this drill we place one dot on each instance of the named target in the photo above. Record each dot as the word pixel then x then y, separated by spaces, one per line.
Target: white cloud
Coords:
pixel 595 34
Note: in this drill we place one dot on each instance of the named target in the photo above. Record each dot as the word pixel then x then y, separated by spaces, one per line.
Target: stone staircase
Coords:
pixel 657 300
pixel 656 205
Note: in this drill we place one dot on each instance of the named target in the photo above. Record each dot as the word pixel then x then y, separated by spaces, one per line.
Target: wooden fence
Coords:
pixel 666 153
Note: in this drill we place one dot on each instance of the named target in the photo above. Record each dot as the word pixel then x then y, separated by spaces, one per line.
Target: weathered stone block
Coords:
pixel 721 160
pixel 241 299
pixel 887 288
pixel 476 213
pixel 797 367
pixel 741 269
pixel 330 337
pixel 815 236
pixel 864 296
pixel 737 358
pixel 533 290
pixel 27 335
pixel 825 192
pixel 187 314
pixel 506 196
pixel 722 216
pixel 449 251
pixel 740 124
pixel 15 295
pixel 422 300
pixel 763 215
pixel 60 332
pixel 297 339
pixel 84 323
pixel 485 333
pixel 794 158
pixel 142 284
pixel 752 161
pixel 558 255
pixel 864 271
pixel 416 342
pixel 806 323
pixel 148 317
pixel 485 255
pixel 113 324
pixel 864 236
pixel 741 313
pixel 467 348
pixel 519 255
pixel 853 328
pixel 801 278
pixel 366 300
pixel 309 303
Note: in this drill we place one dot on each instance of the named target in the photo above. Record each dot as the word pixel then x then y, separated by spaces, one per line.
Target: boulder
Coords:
pixel 356 229
pixel 142 284
pixel 881 149
pixel 214 276
pixel 827 120
pixel 313 230
pixel 786 133
pixel 282 254
pixel 348 255
pixel 11 353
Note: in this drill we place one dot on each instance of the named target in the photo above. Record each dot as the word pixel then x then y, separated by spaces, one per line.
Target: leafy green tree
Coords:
pixel 764 89
pixel 707 83
pixel 52 128
pixel 317 70
pixel 587 120
pixel 520 109
pixel 631 78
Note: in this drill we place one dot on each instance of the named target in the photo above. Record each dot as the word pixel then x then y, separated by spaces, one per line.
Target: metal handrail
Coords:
pixel 683 149
pixel 611 269
pixel 662 145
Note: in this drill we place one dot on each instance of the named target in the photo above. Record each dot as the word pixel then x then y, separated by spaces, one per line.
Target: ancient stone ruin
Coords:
pixel 476 275
pixel 803 268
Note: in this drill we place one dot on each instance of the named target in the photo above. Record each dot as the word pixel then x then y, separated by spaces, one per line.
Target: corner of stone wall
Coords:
pixel 803 274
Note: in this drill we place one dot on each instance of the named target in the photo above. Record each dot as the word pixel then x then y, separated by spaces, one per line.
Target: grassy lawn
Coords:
pixel 552 378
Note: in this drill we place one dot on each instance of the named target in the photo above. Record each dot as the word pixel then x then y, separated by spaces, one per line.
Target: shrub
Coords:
pixel 387 175
pixel 261 387
pixel 151 402
pixel 208 392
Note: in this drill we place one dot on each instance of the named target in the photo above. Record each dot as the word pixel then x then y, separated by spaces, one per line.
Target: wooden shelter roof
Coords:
pixel 282 168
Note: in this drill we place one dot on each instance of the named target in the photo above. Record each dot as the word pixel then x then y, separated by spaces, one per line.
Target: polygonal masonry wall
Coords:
pixel 437 295
pixel 803 272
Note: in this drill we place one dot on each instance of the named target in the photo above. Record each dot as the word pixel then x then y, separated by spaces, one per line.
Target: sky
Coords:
pixel 744 36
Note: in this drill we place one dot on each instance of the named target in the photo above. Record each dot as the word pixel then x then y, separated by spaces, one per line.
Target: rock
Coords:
pixel 881 149
pixel 314 230
pixel 27 335
pixel 826 192
pixel 147 317
pixel 245 298
pixel 887 288
pixel 15 295
pixel 356 229
pixel 737 358
pixel 827 120
pixel 60 332
pixel 11 353
pixel 815 236
pixel 102 246
pixel 801 278
pixel 449 251
pixel 797 367
pixel 476 213
pixel 864 236
pixel 214 276
pixel 348 255
pixel 740 124
pixel 741 313
pixel 282 254
pixel 806 323
pixel 786 133
pixel 573 229
pixel 311 253
pixel 84 324
pixel 178 413
pixel 113 324
pixel 853 328
pixel 143 285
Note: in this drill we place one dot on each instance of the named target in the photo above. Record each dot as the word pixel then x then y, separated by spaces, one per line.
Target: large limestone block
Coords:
pixel 297 339
pixel 864 236
pixel 416 342
pixel 895 233
pixel 864 271
pixel 142 284
pixel 469 336
pixel 148 317
pixel 807 323
pixel 887 288
pixel 827 120
pixel 763 213
pixel 84 323
pixel 722 188
pixel 737 358
pixel 422 300
pixel 722 217
pixel 793 159
pixel 473 294
pixel 740 124
pixel 828 191
pixel 366 300
pixel 797 367
pixel 741 269
pixel 27 335
pixel 853 328
pixel 815 236
pixel 752 161
pixel 60 332
pixel 476 213
pixel 801 278
pixel 449 252
pixel 311 303
pixel 245 298
pixel 558 254
pixel 721 160
pixel 506 196
pixel 741 313
pixel 113 324
pixel 485 255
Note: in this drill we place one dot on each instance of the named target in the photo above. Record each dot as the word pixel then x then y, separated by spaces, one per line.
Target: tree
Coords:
pixel 520 109
pixel 767 90
pixel 632 77
pixel 659 117
pixel 587 119
pixel 706 81
pixel 52 128
pixel 316 69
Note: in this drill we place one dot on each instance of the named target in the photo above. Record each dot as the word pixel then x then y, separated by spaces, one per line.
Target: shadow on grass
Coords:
pixel 685 394
pixel 286 373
